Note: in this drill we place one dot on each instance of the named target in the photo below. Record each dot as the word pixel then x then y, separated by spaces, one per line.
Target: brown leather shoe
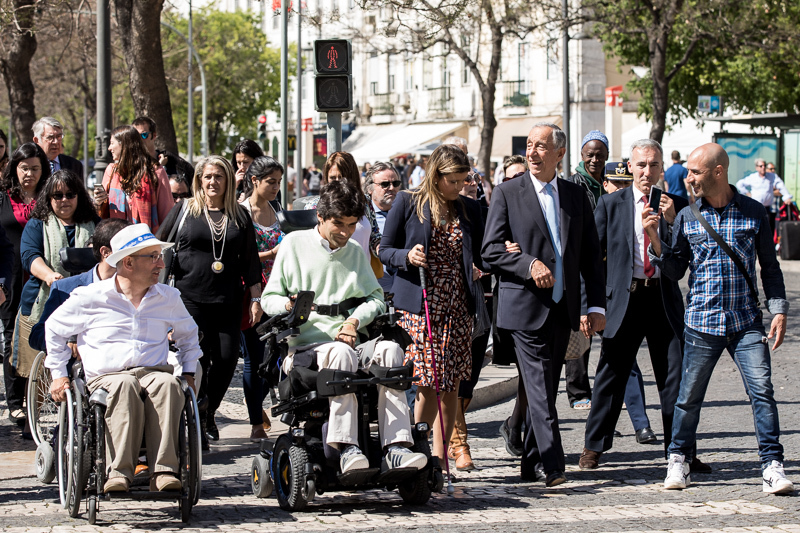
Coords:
pixel 164 481
pixel 589 459
pixel 257 433
pixel 116 484
pixel 463 459
pixel 265 421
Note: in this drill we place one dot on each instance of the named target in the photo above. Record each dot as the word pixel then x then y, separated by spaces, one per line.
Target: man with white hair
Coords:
pixel 48 133
pixel 121 325
pixel 764 186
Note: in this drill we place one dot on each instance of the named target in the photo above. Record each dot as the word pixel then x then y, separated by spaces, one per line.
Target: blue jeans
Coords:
pixel 635 400
pixel 750 352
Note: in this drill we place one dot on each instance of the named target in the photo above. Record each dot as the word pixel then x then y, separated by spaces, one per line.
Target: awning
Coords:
pixel 506 129
pixel 381 142
pixel 782 121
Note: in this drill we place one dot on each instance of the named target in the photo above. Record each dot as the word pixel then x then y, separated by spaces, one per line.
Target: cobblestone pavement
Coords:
pixel 625 494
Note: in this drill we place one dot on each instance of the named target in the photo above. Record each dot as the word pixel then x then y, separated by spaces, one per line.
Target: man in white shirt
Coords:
pixel 763 186
pixel 415 180
pixel 121 325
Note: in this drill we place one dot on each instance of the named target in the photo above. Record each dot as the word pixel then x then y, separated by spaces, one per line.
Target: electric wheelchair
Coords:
pixel 299 464
pixel 80 444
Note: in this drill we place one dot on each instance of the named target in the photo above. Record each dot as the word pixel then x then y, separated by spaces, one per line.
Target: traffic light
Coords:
pixel 333 84
pixel 262 127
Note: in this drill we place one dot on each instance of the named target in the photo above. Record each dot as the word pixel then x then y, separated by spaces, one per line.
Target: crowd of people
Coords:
pixel 534 262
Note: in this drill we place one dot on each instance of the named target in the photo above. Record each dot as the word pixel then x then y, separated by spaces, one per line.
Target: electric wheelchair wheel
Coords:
pixel 42 410
pixel 288 469
pixel 260 480
pixel 417 490
pixel 81 454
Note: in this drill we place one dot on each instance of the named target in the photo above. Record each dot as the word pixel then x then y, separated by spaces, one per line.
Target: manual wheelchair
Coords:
pixel 80 437
pixel 299 464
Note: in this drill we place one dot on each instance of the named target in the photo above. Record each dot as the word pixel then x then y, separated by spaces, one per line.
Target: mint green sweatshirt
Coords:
pixel 303 264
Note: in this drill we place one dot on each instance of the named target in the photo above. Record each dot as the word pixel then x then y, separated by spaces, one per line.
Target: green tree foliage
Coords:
pixel 743 50
pixel 242 75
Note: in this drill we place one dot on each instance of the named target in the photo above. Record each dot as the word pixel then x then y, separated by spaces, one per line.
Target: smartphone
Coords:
pixel 655 198
pixel 98 188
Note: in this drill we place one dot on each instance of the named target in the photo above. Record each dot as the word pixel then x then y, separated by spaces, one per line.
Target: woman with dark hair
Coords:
pixel 436 228
pixel 22 181
pixel 216 251
pixel 63 217
pixel 3 150
pixel 342 166
pixel 264 176
pixel 135 186
pixel 244 153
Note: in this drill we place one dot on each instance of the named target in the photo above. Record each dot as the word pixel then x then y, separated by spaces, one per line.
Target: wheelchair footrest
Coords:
pixel 293 403
pixel 358 477
pixel 396 475
pixel 142 494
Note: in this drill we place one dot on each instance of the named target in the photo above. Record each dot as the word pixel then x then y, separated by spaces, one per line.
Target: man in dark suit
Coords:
pixel 539 289
pixel 641 303
pixel 49 134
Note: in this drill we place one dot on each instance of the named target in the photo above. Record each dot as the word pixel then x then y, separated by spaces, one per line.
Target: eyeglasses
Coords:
pixel 518 174
pixel 181 195
pixel 470 179
pixel 54 138
pixel 761 165
pixel 154 257
pixel 58 196
pixel 386 184
pixel 145 135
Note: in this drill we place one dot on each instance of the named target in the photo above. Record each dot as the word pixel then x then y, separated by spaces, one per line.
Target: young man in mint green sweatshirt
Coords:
pixel 326 261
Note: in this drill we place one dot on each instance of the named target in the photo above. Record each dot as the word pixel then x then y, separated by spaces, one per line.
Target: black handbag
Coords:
pixel 77 260
pixel 167 275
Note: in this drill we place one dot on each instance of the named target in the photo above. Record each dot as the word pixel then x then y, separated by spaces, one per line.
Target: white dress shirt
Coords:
pixel 760 189
pixel 638 236
pixel 114 335
pixel 539 187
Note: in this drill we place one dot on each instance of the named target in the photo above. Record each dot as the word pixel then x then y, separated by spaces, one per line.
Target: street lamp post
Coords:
pixel 298 154
pixel 565 84
pixel 101 154
pixel 284 94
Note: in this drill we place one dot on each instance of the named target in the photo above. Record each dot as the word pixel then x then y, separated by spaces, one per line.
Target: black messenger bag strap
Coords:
pixel 727 249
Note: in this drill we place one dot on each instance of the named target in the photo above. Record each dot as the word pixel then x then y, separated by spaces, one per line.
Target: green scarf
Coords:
pixel 596 188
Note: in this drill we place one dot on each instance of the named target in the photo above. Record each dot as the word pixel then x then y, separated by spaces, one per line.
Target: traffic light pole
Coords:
pixel 334 131
pixel 285 95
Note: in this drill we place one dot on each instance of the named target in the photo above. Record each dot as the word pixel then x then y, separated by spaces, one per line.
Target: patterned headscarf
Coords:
pixel 595 135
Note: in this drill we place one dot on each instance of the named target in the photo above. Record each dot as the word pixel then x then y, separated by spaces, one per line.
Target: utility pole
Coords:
pixel 101 154
pixel 190 95
pixel 284 94
pixel 565 83
pixel 298 153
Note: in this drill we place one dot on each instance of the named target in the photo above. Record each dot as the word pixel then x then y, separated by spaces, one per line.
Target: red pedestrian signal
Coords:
pixel 262 119
pixel 333 84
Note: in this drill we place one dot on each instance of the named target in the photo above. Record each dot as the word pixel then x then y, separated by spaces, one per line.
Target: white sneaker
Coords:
pixel 400 457
pixel 775 481
pixel 677 473
pixel 353 459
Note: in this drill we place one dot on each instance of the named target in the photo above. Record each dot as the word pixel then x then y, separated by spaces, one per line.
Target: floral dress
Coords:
pixel 451 323
pixel 267 238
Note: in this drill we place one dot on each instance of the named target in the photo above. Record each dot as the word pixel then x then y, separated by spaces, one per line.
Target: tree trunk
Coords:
pixel 488 96
pixel 15 67
pixel 140 30
pixel 658 71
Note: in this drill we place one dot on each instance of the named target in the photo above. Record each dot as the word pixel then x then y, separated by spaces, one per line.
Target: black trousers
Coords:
pixel 220 326
pixel 540 368
pixel 644 319
pixel 15 384
pixel 576 372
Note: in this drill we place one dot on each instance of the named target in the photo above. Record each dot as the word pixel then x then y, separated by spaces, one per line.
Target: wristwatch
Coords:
pixel 254 300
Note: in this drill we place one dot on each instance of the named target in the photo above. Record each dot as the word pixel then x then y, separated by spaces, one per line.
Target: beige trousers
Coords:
pixel 128 415
pixel 394 421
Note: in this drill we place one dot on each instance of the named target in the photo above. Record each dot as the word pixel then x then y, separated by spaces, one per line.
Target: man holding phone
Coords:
pixel 640 303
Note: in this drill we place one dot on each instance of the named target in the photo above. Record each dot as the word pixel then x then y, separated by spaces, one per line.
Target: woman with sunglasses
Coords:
pixel 135 187
pixel 342 166
pixel 23 179
pixel 265 175
pixel 436 228
pixel 63 217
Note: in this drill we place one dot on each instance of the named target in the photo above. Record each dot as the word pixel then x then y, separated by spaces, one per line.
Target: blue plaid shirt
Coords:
pixel 719 301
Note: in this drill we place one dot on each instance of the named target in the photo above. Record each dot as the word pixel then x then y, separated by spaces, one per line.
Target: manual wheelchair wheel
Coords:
pixel 80 459
pixel 42 410
pixel 260 480
pixel 288 469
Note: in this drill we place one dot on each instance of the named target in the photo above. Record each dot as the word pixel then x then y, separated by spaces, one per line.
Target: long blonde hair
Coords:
pixel 198 200
pixel 446 159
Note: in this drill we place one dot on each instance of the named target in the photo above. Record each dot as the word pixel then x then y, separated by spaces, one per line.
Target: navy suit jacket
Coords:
pixel 59 292
pixel 70 163
pixel 516 215
pixel 614 217
pixel 403 231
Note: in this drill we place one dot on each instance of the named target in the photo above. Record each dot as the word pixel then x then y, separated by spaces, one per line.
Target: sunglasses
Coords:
pixel 58 196
pixel 181 195
pixel 386 184
pixel 518 174
pixel 145 135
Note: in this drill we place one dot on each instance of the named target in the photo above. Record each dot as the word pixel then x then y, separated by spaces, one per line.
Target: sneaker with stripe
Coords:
pixel 400 457
pixel 775 481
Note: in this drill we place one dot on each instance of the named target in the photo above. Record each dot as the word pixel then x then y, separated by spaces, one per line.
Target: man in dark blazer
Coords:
pixel 49 134
pixel 641 304
pixel 539 297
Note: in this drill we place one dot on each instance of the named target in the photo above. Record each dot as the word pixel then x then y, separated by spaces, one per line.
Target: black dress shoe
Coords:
pixel 617 433
pixel 646 436
pixel 211 427
pixel 556 477
pixel 699 467
pixel 512 439
pixel 539 471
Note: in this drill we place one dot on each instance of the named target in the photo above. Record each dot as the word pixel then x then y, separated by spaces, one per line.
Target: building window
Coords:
pixel 373 87
pixel 409 75
pixel 552 59
pixel 391 82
